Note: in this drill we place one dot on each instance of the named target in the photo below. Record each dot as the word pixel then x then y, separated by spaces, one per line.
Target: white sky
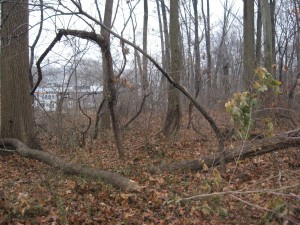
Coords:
pixel 72 22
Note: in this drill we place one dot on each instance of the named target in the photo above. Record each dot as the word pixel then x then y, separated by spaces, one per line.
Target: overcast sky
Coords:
pixel 72 22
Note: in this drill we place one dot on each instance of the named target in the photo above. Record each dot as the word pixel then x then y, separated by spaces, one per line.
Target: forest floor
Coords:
pixel 261 190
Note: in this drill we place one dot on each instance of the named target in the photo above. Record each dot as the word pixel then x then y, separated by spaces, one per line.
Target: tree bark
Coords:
pixel 173 117
pixel 273 34
pixel 248 150
pixel 105 122
pixel 144 80
pixel 17 120
pixel 267 28
pixel 258 36
pixel 249 50
pixel 116 180
pixel 206 21
pixel 166 61
pixel 197 61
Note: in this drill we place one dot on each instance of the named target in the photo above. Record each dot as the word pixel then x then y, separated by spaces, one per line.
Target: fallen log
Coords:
pixel 114 179
pixel 244 151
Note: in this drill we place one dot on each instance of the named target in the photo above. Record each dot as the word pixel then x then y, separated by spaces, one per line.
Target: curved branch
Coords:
pixel 42 57
pixel 86 115
pixel 137 114
pixel 35 43
pixel 198 106
pixel 76 33
pixel 98 115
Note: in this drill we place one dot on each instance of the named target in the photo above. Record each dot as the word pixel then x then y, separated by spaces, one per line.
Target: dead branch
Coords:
pixel 114 179
pixel 178 86
pixel 137 114
pixel 248 150
pixel 98 115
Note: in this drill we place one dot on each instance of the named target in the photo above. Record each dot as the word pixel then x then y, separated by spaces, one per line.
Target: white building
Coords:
pixel 47 97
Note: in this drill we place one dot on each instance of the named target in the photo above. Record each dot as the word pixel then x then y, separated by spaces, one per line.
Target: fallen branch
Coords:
pixel 116 180
pixel 248 150
pixel 277 191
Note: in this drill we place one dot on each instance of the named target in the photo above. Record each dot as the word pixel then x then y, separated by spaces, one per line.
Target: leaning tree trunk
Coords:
pixel 16 104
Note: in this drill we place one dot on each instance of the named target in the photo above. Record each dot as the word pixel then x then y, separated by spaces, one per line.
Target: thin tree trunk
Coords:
pixel 197 60
pixel 110 92
pixel 258 36
pixel 267 28
pixel 273 33
pixel 144 80
pixel 106 119
pixel 163 81
pixel 166 62
pixel 249 52
pixel 206 20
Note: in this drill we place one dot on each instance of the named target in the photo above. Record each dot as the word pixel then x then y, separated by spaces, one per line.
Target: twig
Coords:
pixel 269 191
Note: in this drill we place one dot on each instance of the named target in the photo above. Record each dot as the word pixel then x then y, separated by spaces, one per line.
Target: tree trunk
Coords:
pixel 166 59
pixel 105 119
pixel 173 117
pixel 197 60
pixel 258 36
pixel 116 180
pixel 206 20
pixel 109 86
pixel 267 28
pixel 249 52
pixel 163 80
pixel 144 80
pixel 273 34
pixel 17 119
pixel 248 150
pixel 166 62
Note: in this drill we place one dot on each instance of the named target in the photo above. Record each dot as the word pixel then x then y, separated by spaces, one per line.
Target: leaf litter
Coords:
pixel 262 190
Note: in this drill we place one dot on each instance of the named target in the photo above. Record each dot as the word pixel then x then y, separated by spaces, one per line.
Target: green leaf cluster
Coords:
pixel 240 110
pixel 241 106
pixel 266 81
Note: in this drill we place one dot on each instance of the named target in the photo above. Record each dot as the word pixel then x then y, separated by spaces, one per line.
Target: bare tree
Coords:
pixel 144 75
pixel 197 59
pixel 173 117
pixel 206 20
